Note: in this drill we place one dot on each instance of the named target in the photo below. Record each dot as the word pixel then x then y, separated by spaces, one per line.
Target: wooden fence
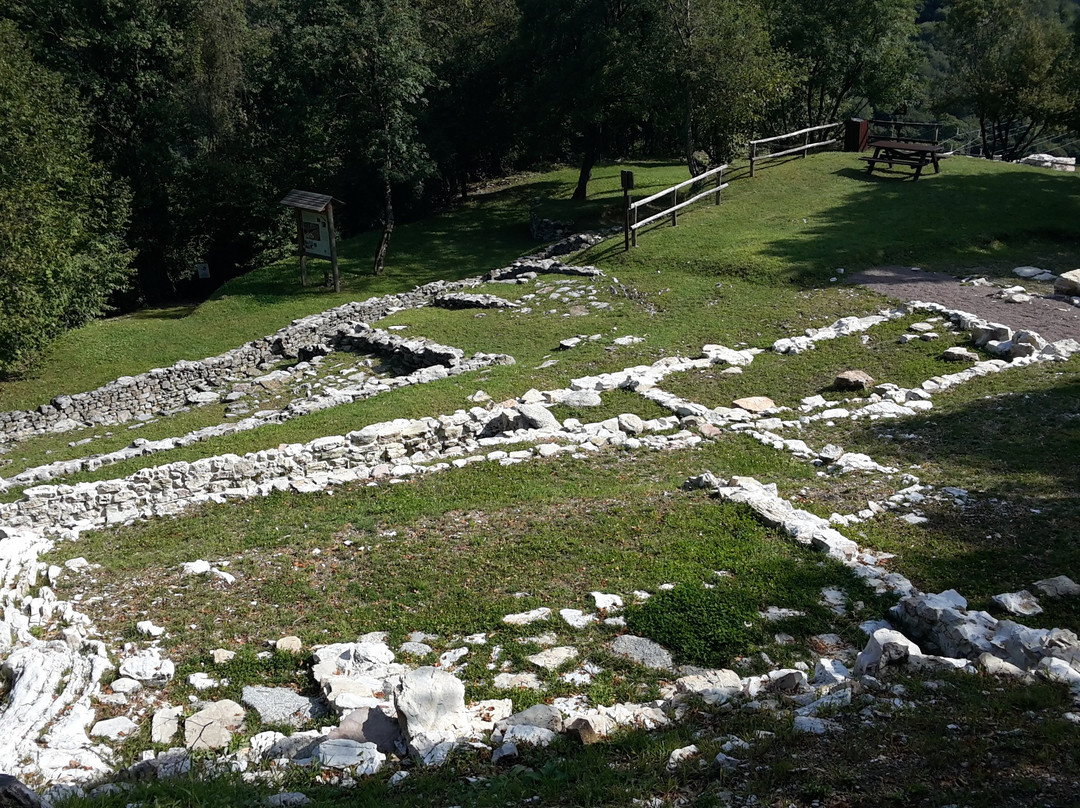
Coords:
pixel 632 224
pixel 804 148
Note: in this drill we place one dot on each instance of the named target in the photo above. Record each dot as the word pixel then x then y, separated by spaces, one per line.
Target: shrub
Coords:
pixel 698 625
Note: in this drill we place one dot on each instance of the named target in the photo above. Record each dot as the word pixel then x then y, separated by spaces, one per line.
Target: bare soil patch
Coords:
pixel 1052 319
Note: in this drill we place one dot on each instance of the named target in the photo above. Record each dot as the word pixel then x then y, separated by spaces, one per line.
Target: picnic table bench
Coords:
pixel 911 153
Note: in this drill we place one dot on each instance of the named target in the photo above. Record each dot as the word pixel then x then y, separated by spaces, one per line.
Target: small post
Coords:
pixel 303 251
pixel 806 145
pixel 333 246
pixel 633 229
pixel 627 178
pixel 719 182
pixel 753 155
pixel 674 213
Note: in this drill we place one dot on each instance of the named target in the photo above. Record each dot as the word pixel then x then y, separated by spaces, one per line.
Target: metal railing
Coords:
pixel 631 222
pixel 804 148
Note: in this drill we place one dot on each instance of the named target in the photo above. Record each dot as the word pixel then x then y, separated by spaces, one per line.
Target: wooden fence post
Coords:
pixel 303 250
pixel 675 213
pixel 753 154
pixel 719 182
pixel 333 246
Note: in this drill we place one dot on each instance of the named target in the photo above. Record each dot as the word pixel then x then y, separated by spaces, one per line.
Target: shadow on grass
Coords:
pixel 170 313
pixel 1016 454
pixel 471 238
pixel 956 216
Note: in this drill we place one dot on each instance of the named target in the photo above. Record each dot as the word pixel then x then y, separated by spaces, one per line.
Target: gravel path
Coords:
pixel 1052 319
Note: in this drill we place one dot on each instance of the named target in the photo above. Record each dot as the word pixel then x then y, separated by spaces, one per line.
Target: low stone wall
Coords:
pixel 163 389
pixel 160 389
pixel 431 360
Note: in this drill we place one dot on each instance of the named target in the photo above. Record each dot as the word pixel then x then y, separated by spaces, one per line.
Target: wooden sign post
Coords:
pixel 627 186
pixel 315 234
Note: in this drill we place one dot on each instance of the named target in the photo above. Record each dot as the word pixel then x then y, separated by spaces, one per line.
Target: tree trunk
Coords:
pixel 688 124
pixel 388 228
pixel 588 160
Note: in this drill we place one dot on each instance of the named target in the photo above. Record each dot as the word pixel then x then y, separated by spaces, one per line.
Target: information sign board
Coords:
pixel 316 234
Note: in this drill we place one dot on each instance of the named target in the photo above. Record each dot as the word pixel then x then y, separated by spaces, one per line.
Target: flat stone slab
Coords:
pixel 212 726
pixel 114 728
pixel 754 403
pixel 517 681
pixel 279 705
pixel 643 651
pixel 524 618
pixel 551 658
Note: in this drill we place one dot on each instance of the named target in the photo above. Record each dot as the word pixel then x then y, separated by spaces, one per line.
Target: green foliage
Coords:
pixel 845 54
pixel 1014 66
pixel 698 625
pixel 718 77
pixel 61 215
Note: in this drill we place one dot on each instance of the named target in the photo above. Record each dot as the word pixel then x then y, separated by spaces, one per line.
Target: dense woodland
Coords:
pixel 138 137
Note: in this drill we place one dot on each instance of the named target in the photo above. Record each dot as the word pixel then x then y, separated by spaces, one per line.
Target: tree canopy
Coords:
pixel 197 115
pixel 62 216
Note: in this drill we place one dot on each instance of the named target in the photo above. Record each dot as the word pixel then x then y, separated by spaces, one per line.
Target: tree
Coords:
pixel 718 73
pixel 587 73
pixel 61 216
pixel 1013 65
pixel 468 124
pixel 846 53
pixel 394 66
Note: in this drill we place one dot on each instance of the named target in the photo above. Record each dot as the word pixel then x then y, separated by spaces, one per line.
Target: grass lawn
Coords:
pixel 450 553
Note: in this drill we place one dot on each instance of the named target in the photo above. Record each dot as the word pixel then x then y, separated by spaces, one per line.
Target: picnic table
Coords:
pixel 905 153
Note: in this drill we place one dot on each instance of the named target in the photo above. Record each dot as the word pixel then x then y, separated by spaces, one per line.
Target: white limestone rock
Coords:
pixel 885 647
pixel 680 756
pixel 1021 603
pixel 430 706
pixel 577 618
pixel 606 601
pixel 713 687
pixel 114 729
pixel 1060 586
pixel 830 672
pixel 280 705
pixel 148 629
pixel 552 658
pixel 165 724
pixel 148 667
pixel 341 753
pixel 517 681
pixel 525 618
pixel 212 727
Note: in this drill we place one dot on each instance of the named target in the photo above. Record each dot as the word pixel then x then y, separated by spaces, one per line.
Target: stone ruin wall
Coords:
pixel 129 397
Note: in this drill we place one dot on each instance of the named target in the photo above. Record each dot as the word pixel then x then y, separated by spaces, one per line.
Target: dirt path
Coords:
pixel 1052 319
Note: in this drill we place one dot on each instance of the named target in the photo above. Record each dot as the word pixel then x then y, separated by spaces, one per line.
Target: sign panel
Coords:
pixel 203 270
pixel 316 234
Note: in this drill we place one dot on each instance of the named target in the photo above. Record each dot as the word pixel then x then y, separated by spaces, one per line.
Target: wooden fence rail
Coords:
pixel 804 148
pixel 631 224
